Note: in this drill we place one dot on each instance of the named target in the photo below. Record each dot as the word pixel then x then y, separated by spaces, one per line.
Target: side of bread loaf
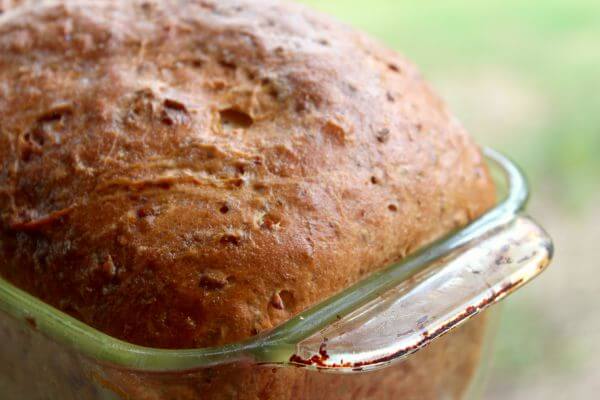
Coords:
pixel 443 370
pixel 190 173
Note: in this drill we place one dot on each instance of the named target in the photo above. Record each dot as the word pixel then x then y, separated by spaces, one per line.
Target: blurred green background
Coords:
pixel 524 77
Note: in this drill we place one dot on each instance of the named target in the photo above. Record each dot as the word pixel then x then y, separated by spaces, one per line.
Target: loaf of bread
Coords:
pixel 183 174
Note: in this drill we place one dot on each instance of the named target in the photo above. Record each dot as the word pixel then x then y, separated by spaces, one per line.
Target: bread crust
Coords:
pixel 184 174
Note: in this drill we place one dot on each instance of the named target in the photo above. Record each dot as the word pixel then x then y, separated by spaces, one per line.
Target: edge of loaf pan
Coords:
pixel 305 340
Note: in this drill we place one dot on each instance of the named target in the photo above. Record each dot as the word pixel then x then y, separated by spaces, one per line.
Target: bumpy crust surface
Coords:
pixel 190 173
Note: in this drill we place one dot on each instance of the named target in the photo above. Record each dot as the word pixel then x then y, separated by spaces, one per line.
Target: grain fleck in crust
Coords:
pixel 190 173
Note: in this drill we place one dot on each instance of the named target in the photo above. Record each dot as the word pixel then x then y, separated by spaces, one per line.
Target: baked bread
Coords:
pixel 185 174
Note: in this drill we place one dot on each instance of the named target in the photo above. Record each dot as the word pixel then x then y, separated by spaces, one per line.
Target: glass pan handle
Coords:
pixel 447 294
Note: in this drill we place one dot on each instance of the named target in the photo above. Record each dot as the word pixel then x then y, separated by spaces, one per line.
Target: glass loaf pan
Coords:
pixel 341 348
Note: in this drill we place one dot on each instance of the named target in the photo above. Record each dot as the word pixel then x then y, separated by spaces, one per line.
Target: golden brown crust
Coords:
pixel 189 173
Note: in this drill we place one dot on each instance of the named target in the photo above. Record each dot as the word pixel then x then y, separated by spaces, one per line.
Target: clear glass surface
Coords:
pixel 380 321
